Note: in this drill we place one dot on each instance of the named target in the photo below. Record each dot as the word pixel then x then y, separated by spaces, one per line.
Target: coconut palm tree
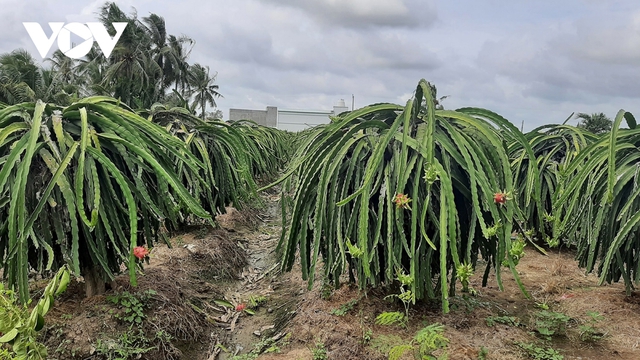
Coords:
pixel 168 51
pixel 203 86
pixel 145 65
pixel 146 61
pixel 92 70
pixel 129 72
pixel 52 89
pixel 12 92
pixel 596 123
pixel 22 80
pixel 64 66
pixel 19 77
pixel 180 50
pixel 20 66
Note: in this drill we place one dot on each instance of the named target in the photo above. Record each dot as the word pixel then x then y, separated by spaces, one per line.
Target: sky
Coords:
pixel 535 62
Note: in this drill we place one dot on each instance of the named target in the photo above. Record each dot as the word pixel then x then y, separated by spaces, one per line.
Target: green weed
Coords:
pixel 588 331
pixel 550 323
pixel 505 320
pixel 319 352
pixel 345 308
pixel 133 306
pixel 130 344
pixel 536 352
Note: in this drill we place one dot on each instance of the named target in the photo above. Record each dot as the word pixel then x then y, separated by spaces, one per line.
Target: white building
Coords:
pixel 286 119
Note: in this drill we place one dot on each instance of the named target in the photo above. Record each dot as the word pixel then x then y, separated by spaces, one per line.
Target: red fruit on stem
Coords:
pixel 140 252
pixel 500 198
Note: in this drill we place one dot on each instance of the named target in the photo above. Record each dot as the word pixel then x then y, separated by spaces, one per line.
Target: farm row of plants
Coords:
pixel 417 194
pixel 95 184
pixel 386 193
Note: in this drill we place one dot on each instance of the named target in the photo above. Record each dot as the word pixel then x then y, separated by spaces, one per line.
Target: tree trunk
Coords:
pixel 93 283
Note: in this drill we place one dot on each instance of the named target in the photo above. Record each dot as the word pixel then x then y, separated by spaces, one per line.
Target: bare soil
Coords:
pixel 236 263
pixel 553 280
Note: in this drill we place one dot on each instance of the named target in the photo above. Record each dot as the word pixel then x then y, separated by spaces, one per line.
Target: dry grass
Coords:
pixel 217 256
pixel 553 286
pixel 558 268
pixel 172 305
pixel 249 218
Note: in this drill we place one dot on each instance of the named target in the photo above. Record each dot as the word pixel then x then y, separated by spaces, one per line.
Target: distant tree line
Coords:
pixel 147 66
pixel 597 123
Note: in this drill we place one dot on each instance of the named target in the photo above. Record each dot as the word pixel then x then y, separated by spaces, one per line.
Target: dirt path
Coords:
pixel 188 293
pixel 261 284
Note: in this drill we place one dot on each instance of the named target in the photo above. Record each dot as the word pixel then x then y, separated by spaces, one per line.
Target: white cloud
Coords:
pixel 367 13
pixel 536 61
